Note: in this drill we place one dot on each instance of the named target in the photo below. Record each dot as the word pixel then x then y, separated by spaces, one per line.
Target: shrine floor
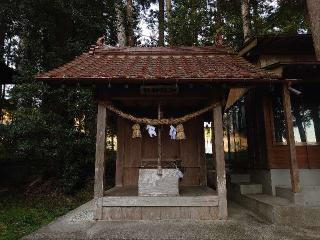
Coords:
pixel 183 191
pixel 241 224
pixel 193 202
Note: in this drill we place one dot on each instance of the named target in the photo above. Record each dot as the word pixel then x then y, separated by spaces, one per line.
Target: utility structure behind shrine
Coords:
pixel 171 90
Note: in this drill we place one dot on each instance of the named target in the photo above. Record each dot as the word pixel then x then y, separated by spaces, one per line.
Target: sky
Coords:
pixel 148 34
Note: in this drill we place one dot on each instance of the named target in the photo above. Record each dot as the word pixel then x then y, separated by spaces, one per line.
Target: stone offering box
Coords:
pixel 150 183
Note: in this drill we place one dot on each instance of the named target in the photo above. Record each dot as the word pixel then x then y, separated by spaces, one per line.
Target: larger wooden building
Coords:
pixel 256 137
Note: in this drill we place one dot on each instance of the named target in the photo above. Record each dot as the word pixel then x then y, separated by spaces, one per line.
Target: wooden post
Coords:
pixel 100 151
pixel 294 169
pixel 120 151
pixel 217 148
pixel 159 164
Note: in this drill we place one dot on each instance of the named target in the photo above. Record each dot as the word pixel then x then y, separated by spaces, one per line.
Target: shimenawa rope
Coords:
pixel 162 121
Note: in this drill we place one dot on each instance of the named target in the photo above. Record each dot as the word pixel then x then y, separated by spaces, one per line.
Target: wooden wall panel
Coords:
pixel 120 152
pixel 314 156
pixel 130 176
pixel 188 147
pixel 171 148
pixel 149 149
pixel 302 157
pixel 191 177
pixel 128 155
pixel 132 156
pixel 280 158
pixel 190 151
pixel 278 155
pixel 201 155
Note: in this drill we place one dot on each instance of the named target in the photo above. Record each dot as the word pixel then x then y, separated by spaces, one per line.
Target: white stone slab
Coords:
pixel 152 184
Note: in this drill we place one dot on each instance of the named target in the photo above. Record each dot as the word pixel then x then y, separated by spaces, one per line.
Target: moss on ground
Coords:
pixel 21 215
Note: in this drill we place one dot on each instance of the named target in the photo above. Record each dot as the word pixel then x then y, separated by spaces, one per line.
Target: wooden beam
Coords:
pixel 234 95
pixel 217 148
pixel 100 151
pixel 294 169
pixel 248 47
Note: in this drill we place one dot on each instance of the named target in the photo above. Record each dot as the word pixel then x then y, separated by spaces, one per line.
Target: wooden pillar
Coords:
pixel 120 151
pixel 294 169
pixel 100 151
pixel 217 148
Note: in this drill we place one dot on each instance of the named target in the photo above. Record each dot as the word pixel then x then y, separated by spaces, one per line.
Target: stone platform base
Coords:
pixel 196 203
pixel 159 213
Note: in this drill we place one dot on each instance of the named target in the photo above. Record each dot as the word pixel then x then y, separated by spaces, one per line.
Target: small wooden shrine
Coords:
pixel 161 97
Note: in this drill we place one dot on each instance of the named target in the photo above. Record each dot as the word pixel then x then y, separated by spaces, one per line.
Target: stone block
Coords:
pixel 152 184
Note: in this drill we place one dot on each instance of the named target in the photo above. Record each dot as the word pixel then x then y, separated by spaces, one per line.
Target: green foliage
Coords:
pixel 231 28
pixel 289 17
pixel 43 132
pixel 189 22
pixel 198 22
pixel 53 130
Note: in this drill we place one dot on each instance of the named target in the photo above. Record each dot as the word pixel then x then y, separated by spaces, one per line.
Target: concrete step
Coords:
pixel 280 210
pixel 259 204
pixel 269 199
pixel 239 178
pixel 286 192
pixel 248 188
pixel 309 195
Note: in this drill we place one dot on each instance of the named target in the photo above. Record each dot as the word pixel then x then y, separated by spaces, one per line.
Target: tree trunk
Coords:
pixel 2 38
pixel 229 139
pixel 316 121
pixel 218 16
pixel 314 18
pixel 299 123
pixel 218 19
pixel 255 16
pixel 130 41
pixel 2 86
pixel 168 9
pixel 120 27
pixel 161 23
pixel 245 11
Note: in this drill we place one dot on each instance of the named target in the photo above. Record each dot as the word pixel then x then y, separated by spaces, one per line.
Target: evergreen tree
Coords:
pixel 314 17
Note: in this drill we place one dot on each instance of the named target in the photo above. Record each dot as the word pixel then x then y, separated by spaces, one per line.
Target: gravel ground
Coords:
pixel 241 224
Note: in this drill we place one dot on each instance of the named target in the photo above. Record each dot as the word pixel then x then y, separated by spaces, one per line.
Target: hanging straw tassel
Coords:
pixel 180 132
pixel 136 131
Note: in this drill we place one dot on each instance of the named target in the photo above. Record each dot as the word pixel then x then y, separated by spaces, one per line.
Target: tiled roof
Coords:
pixel 124 64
